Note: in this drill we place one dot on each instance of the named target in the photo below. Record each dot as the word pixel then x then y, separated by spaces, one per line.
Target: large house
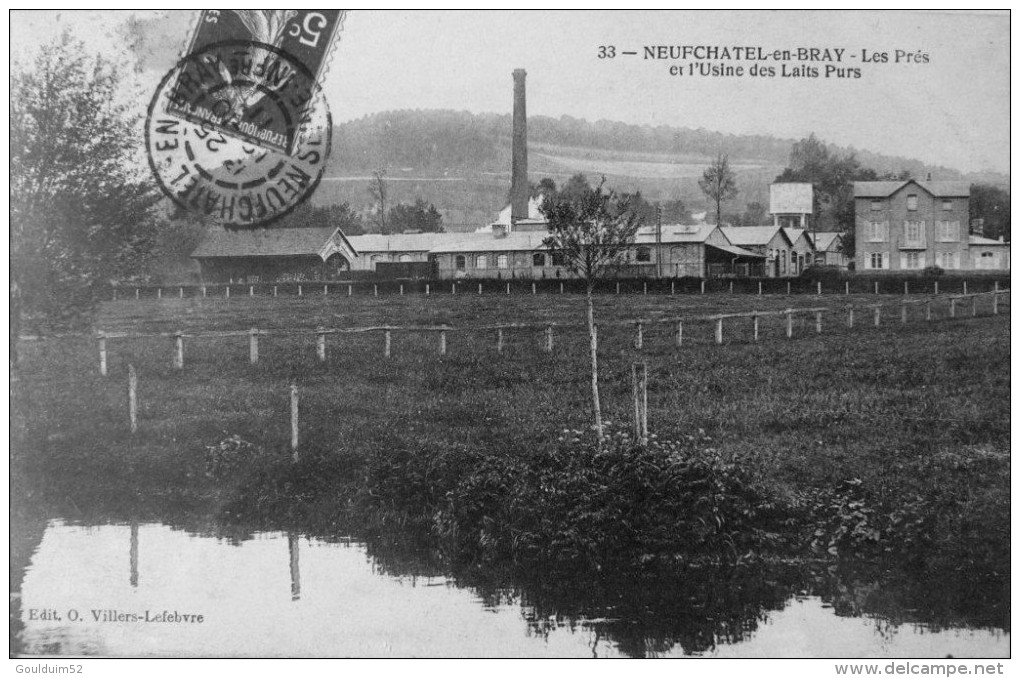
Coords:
pixel 911 225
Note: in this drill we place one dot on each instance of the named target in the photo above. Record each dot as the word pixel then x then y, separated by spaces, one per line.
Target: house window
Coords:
pixel 503 261
pixel 460 261
pixel 948 231
pixel 913 260
pixel 913 232
pixel 878 231
pixel 987 260
pixel 876 205
pixel 877 260
pixel 644 255
pixel 558 259
pixel 947 205
pixel 947 260
pixel 912 203
pixel 538 259
pixel 481 261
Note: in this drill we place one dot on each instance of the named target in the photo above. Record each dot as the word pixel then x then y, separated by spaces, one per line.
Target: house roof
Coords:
pixel 794 233
pixel 981 240
pixel 676 233
pixel 884 189
pixel 486 242
pixel 737 251
pixel 264 242
pixel 402 242
pixel 752 235
pixel 825 241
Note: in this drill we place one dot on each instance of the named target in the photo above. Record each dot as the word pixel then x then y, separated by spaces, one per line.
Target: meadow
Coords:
pixel 871 442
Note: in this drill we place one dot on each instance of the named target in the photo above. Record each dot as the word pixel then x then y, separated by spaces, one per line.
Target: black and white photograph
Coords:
pixel 517 334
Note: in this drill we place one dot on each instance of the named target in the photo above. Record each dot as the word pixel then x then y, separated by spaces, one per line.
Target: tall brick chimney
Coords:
pixel 519 189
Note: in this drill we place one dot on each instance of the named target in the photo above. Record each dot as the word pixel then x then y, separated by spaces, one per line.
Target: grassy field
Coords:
pixel 893 437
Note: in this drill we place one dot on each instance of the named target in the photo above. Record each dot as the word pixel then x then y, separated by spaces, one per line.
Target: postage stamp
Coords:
pixel 238 132
pixel 305 37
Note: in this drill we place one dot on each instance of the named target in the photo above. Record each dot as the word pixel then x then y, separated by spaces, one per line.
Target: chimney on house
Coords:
pixel 519 189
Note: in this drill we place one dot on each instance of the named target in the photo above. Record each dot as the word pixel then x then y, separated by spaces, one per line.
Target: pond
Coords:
pixel 152 590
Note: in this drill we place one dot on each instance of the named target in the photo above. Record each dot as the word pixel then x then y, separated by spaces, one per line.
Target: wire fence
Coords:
pixel 726 328
pixel 886 285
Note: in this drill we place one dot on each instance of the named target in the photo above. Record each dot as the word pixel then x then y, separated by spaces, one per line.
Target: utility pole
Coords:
pixel 658 240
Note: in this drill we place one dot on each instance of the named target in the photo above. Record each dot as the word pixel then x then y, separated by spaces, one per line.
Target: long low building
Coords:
pixel 326 254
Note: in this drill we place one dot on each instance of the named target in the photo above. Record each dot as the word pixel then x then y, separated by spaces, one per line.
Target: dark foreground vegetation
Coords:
pixel 865 455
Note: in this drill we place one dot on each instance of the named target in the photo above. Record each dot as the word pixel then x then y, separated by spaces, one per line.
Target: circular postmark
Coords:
pixel 239 133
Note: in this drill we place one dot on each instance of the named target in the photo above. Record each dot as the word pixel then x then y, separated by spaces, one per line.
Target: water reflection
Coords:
pixel 284 594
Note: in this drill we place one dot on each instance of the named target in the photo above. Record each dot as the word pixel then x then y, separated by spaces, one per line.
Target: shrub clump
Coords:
pixel 618 505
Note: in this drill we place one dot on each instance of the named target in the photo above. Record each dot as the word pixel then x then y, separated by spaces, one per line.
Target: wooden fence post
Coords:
pixel 401 289
pixel 819 288
pixel 995 300
pixel 644 289
pixel 903 313
pixel 679 333
pixel 878 316
pixel 442 342
pixel 952 308
pixel 718 330
pixel 101 338
pixel 226 294
pixel 499 340
pixel 936 287
pixel 375 290
pixel 453 288
pixel 137 293
pixel 731 287
pixel 850 316
pixel 180 293
pixel 639 380
pixel 789 323
pixel 350 289
pixel 253 346
pixel 965 287
pixel 787 288
pixel 133 398
pixel 672 287
pixel 508 288
pixel 818 322
pixel 996 287
pixel 927 310
pixel 386 343
pixel 549 339
pixel 876 287
pixel 561 288
pixel 479 288
pixel 159 292
pixel 759 288
pixel 203 291
pixel 846 288
pixel 754 317
pixel 702 285
pixel 251 290
pixel 274 290
pixel 617 288
pixel 906 287
pixel 426 289
pixel 294 420
pixel 325 290
pixel 973 306
pixel 639 337
pixel 179 350
pixel 320 343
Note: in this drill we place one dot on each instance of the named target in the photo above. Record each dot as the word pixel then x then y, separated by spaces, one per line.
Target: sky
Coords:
pixel 952 110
